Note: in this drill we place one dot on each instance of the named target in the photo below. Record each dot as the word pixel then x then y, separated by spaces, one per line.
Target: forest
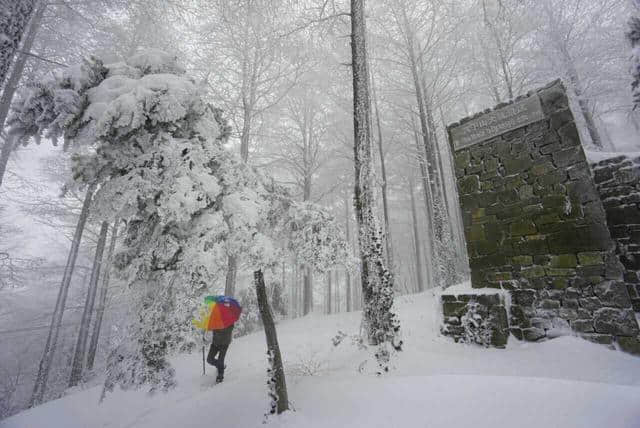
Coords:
pixel 303 159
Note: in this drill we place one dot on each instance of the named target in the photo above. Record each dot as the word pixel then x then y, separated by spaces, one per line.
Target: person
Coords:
pixel 219 345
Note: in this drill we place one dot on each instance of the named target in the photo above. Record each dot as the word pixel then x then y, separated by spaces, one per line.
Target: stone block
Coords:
pixel 601 339
pixel 560 283
pixel 462 159
pixel 582 326
pixel 560 272
pixel 534 244
pixel 553 98
pixel 569 135
pixel 469 184
pixel 549 304
pixel 523 260
pixel 523 227
pixel 630 345
pixel 590 258
pixel 590 303
pixel 523 297
pixel 542 168
pixel 517 164
pixel 454 309
pixel 567 157
pixel 613 293
pixel 517 333
pixel 476 233
pixel 618 322
pixel 570 303
pixel 533 334
pixel 533 272
pixel 564 261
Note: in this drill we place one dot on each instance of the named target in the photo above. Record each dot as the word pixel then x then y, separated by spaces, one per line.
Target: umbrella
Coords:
pixel 219 312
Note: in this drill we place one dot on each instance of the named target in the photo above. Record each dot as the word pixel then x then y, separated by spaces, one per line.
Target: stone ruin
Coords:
pixel 536 229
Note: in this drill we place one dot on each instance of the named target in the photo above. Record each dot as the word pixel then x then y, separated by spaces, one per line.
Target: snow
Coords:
pixel 565 382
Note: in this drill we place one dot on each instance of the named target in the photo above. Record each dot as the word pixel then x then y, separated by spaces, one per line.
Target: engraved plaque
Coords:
pixel 497 122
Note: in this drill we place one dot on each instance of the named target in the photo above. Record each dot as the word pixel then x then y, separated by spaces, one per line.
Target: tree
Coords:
pixel 78 364
pixel 377 282
pixel 46 361
pixel 14 18
pixel 571 35
pixel 102 299
pixel 12 84
pixel 175 206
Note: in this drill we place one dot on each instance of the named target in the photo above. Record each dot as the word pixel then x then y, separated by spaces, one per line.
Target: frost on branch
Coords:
pixel 140 130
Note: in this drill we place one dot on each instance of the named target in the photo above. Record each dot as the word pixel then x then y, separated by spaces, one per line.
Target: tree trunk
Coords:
pixel 336 286
pixel 430 255
pixel 377 280
pixel 307 291
pixel 383 172
pixel 416 237
pixel 13 23
pixel 9 145
pixel 9 90
pixel 277 369
pixel 329 296
pixel 56 320
pixel 102 298
pixel 347 274
pixel 230 279
pixel 77 367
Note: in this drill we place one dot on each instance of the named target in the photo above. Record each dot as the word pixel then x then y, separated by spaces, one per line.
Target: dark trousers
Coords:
pixel 220 351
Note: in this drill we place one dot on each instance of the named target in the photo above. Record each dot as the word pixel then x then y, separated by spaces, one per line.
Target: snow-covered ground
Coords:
pixel 565 382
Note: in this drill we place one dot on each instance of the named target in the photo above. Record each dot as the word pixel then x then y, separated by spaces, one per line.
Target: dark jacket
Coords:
pixel 223 337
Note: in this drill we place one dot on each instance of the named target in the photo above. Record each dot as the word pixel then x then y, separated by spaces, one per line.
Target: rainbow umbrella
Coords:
pixel 219 312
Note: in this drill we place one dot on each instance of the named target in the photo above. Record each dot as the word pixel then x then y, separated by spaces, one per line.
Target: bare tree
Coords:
pixel 56 321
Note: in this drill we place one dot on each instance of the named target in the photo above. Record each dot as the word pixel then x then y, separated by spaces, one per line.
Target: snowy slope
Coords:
pixel 565 382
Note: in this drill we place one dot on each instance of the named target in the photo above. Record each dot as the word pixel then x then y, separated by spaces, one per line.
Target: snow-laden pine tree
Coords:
pixel 14 18
pixel 633 35
pixel 140 131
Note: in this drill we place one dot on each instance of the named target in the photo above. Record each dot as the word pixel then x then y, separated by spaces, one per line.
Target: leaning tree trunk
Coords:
pixel 277 381
pixel 377 281
pixel 102 299
pixel 56 321
pixel 14 18
pixel 11 86
pixel 77 367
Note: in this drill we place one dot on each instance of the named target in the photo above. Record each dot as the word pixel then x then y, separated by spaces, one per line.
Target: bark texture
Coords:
pixel 102 299
pixel 77 366
pixel 277 374
pixel 377 282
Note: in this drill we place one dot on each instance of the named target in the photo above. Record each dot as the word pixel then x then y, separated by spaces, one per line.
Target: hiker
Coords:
pixel 219 345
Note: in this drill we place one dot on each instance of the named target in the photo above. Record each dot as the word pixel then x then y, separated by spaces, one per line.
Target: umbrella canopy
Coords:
pixel 219 313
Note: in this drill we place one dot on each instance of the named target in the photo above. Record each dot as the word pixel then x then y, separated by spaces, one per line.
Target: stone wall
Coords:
pixel 618 182
pixel 475 318
pixel 534 222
